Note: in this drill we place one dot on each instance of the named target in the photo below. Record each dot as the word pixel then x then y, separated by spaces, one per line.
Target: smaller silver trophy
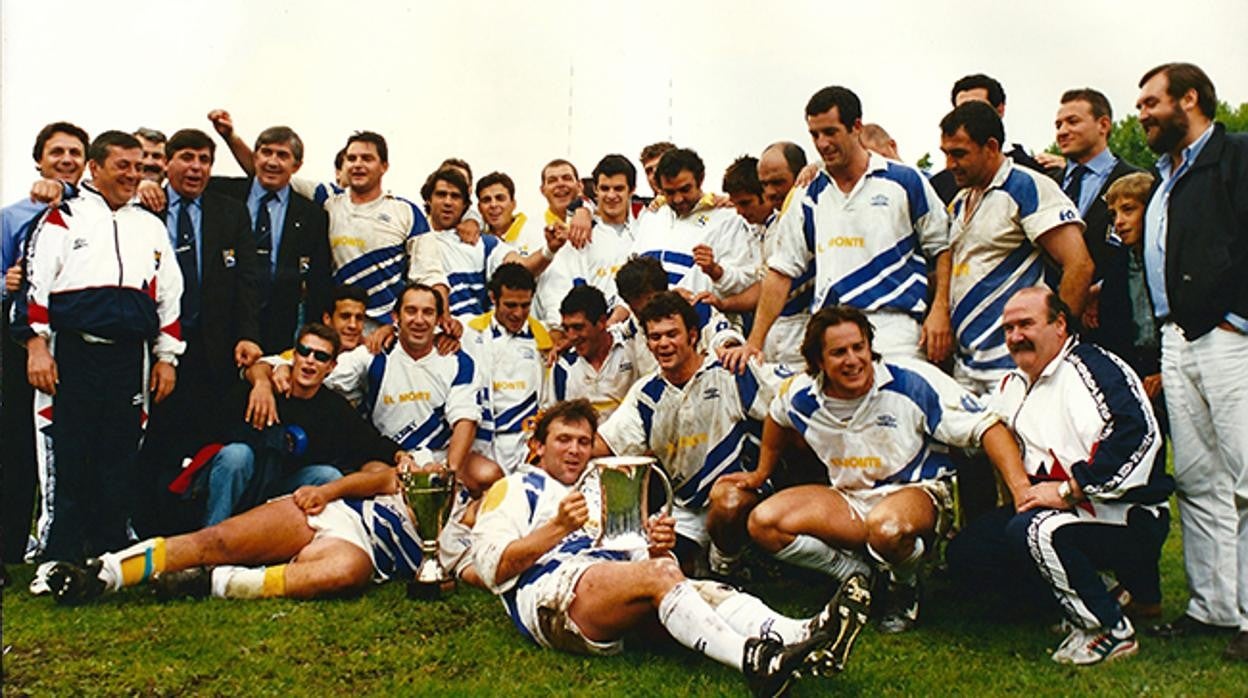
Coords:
pixel 624 484
pixel 429 494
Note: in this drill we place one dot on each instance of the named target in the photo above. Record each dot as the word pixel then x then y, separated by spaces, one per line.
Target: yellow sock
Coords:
pixel 142 561
pixel 230 582
pixel 274 581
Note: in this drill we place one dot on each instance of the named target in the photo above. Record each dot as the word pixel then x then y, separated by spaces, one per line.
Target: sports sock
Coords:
pixel 906 571
pixel 751 617
pixel 231 582
pixel 134 564
pixel 721 561
pixel 812 553
pixel 696 625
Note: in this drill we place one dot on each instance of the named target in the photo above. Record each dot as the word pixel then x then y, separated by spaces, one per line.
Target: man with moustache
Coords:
pixel 1195 254
pixel 154 158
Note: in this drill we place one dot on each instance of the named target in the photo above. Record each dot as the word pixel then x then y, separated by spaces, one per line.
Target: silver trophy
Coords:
pixel 429 494
pixel 624 486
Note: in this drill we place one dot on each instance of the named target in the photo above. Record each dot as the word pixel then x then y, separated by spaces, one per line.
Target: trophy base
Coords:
pixel 429 591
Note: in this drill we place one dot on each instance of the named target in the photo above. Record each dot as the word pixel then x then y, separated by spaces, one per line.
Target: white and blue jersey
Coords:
pixel 513 508
pixel 595 265
pixel 868 247
pixel 468 268
pixel 392 538
pixel 714 328
pixel 898 434
pixel 709 427
pixel 995 252
pixel 416 402
pixel 318 192
pixel 379 246
pixel 783 343
pixel 670 239
pixel 573 376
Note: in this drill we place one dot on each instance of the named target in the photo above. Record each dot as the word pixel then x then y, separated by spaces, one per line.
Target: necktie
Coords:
pixel 188 261
pixel 1075 189
pixel 264 245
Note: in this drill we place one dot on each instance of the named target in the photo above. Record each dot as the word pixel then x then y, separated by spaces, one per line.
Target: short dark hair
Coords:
pixel 97 152
pixel 742 177
pixel 417 286
pixel 1095 99
pixel 556 163
pixel 639 276
pixel 675 161
pixel 451 176
pixel 1055 307
pixel 150 134
pixel 812 341
pixel 513 276
pixel 282 134
pixel 378 141
pixel 46 133
pixel 325 332
pixel 656 150
pixel 616 164
pixel 339 157
pixel 584 299
pixel 191 138
pixel 670 304
pixel 578 410
pixel 980 121
pixel 794 156
pixel 496 178
pixel 977 81
pixel 348 292
pixel 848 106
pixel 1187 76
pixel 460 163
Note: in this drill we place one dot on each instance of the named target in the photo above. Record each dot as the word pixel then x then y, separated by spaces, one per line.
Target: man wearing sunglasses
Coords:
pixel 319 438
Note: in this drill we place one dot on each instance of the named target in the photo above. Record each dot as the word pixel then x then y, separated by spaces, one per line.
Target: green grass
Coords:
pixel 382 643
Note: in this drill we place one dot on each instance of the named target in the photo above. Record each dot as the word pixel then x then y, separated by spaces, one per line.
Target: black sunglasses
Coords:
pixel 305 351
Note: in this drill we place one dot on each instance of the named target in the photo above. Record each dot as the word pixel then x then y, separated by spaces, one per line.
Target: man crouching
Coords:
pixel 534 546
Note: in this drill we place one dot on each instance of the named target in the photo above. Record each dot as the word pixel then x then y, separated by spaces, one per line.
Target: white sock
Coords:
pixel 233 582
pixel 906 571
pixel 751 617
pixel 695 625
pixel 720 560
pixel 813 554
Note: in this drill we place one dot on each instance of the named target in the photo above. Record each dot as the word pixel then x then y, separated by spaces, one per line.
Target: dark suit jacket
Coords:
pixel 303 274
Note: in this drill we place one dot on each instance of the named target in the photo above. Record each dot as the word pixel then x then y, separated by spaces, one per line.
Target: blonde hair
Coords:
pixel 1133 186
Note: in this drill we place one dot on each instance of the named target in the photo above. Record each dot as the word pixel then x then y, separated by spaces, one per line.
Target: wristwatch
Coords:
pixel 1067 493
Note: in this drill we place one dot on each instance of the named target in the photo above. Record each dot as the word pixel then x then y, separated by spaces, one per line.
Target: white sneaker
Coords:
pixel 1087 647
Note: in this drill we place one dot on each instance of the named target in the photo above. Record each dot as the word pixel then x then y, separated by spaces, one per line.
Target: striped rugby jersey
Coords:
pixel 468 268
pixel 670 239
pixel 574 377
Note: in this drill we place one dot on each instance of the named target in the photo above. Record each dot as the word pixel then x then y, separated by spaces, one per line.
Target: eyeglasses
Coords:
pixel 306 351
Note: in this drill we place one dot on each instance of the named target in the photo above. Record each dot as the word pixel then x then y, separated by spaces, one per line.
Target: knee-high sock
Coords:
pixel 748 615
pixel 695 625
pixel 230 582
pixel 134 564
pixel 812 553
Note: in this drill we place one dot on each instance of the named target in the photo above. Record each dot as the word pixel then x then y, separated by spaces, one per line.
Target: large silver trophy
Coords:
pixel 429 494
pixel 624 486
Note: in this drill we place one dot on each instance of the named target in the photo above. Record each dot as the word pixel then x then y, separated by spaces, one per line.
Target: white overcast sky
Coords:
pixel 510 85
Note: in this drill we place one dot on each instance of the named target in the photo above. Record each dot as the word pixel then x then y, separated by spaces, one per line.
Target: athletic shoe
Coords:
pixel 770 666
pixel 901 608
pixel 192 583
pixel 841 621
pixel 39 585
pixel 71 584
pixel 1087 647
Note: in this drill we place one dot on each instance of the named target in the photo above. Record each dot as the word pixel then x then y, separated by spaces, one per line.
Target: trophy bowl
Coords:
pixel 624 487
pixel 429 493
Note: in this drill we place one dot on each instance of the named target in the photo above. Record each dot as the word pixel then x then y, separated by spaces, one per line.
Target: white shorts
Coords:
pixel 861 502
pixel 783 344
pixel 544 605
pixel 337 520
pixel 691 523
pixel 896 335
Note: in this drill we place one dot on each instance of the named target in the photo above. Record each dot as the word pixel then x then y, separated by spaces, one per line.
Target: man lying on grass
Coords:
pixel 532 548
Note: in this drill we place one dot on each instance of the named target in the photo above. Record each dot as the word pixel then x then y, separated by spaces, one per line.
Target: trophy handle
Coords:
pixel 667 487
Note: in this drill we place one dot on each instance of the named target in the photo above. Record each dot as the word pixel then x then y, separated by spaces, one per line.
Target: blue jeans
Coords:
pixel 232 470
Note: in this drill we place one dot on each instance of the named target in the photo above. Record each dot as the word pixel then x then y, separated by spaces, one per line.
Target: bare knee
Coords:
pixel 764 527
pixel 889 533
pixel 660 575
pixel 478 473
pixel 731 503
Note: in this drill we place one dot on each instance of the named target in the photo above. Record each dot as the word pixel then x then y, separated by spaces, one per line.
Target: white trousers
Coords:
pixel 1206 389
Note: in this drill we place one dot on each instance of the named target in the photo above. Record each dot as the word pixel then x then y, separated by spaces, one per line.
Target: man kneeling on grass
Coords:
pixel 534 546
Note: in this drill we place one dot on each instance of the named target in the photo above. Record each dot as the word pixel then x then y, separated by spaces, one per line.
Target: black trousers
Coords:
pixel 17 447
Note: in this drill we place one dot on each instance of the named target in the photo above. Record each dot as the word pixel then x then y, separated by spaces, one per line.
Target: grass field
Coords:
pixel 382 643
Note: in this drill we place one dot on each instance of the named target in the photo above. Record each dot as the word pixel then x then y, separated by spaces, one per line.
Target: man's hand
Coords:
pixel 573 513
pixel 261 406
pixel 222 122
pixel 445 344
pixel 619 314
pixel 1041 496
pixel 281 379
pixel 468 230
pixel 1051 161
pixel 40 366
pixel 581 230
pixel 748 481
pixel 310 499
pixel 936 335
pixel 47 191
pixel 806 175
pixel 722 201
pixel 710 299
pixel 1152 386
pixel 1092 310
pixel 735 358
pixel 662 534
pixel 704 257
pixel 380 339
pixel 164 378
pixel 246 353
pixel 557 234
pixel 13 277
pixel 152 196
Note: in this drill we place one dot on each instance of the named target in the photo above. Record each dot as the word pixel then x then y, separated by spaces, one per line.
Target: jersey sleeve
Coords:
pixel 932 224
pixel 625 431
pixel 757 387
pixel 794 249
pixel 737 252
pixel 1049 209
pixel 463 400
pixel 962 417
pixel 503 519
pixel 425 261
pixel 45 258
pixel 778 410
